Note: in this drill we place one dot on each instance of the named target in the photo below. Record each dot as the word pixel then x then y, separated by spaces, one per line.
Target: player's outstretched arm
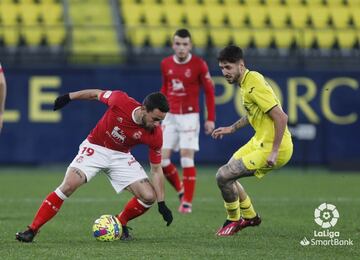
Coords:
pixel 221 131
pixel 158 182
pixel 87 94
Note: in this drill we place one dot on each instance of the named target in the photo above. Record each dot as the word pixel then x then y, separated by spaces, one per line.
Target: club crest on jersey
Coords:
pixel 188 73
pixel 170 72
pixel 137 135
pixel 119 119
pixel 118 134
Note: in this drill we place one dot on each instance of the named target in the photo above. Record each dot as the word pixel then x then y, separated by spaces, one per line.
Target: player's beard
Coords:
pixel 235 79
pixel 145 125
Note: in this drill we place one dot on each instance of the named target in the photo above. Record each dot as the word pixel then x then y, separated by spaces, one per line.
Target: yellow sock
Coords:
pixel 233 210
pixel 247 209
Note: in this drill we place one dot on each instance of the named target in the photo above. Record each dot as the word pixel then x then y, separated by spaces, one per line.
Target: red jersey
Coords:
pixel 181 84
pixel 118 131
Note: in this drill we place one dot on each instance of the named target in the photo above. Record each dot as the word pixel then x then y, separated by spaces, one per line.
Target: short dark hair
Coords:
pixel 156 100
pixel 231 54
pixel 183 33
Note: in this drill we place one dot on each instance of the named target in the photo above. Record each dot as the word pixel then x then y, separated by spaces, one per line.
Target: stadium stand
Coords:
pixel 32 23
pixel 93 32
pixel 199 36
pixel 284 38
pixel 264 23
pixel 106 28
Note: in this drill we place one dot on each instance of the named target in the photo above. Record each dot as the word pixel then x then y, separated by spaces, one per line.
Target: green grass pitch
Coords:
pixel 285 199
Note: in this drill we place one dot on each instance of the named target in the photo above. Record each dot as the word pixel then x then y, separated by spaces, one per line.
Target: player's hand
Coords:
pixel 271 160
pixel 165 212
pixel 221 131
pixel 209 126
pixel 61 101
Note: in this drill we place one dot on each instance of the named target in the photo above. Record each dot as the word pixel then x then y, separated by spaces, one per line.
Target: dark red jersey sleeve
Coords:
pixel 163 89
pixel 209 90
pixel 155 147
pixel 113 98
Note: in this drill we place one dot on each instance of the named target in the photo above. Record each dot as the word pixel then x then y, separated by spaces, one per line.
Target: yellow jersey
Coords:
pixel 259 98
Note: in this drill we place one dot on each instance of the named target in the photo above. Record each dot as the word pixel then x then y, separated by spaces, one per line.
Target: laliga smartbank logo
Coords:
pixel 326 216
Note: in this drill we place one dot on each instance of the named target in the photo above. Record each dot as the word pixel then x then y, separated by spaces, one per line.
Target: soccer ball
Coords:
pixel 107 228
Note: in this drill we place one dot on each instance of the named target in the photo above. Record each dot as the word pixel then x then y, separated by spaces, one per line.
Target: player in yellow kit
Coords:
pixel 270 148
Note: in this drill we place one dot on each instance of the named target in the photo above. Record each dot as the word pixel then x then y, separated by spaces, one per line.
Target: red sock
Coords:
pixel 172 176
pixel 48 209
pixel 132 210
pixel 189 184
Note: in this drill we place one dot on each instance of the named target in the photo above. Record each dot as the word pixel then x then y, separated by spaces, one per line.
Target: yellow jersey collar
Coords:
pixel 244 76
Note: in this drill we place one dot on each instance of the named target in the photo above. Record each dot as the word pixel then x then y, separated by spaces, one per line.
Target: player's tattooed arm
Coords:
pixel 243 121
pixel 221 131
pixel 87 94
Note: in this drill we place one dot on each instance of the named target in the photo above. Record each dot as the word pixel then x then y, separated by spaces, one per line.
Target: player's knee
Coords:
pixel 148 197
pixel 221 175
pixel 165 162
pixel 187 162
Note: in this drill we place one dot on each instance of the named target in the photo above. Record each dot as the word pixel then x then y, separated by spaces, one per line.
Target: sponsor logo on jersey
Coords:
pixel 118 134
pixel 177 85
pixel 178 88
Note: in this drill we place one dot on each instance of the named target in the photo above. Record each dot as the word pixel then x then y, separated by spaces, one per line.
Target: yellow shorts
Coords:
pixel 254 158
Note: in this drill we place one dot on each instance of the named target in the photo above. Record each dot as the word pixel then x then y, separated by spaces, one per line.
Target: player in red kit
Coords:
pixel 2 96
pixel 126 123
pixel 183 75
